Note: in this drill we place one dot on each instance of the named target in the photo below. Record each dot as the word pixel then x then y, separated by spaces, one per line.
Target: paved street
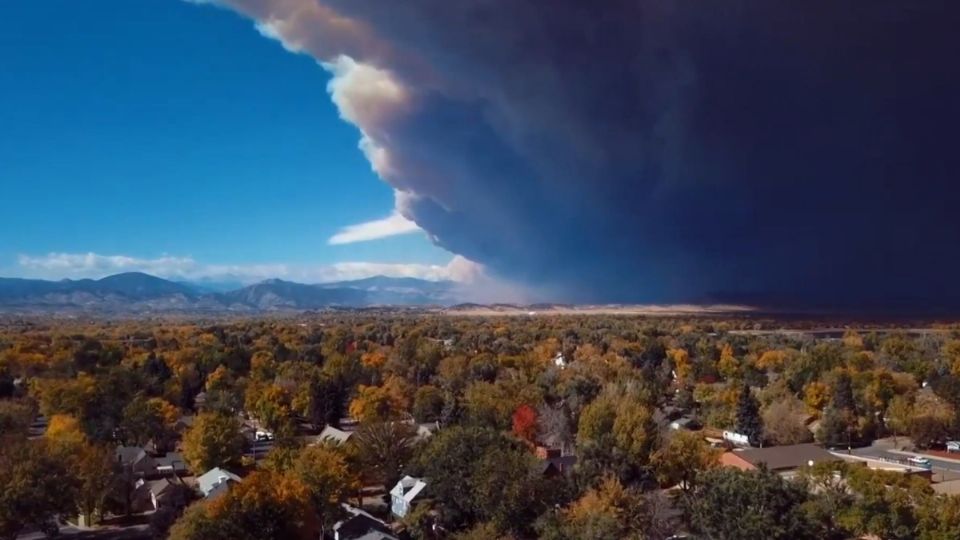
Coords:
pixel 885 449
pixel 136 532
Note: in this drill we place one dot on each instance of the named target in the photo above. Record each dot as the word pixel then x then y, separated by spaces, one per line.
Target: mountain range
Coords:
pixel 139 292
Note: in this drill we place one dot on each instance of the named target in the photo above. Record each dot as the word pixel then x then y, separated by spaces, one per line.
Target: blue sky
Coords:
pixel 157 130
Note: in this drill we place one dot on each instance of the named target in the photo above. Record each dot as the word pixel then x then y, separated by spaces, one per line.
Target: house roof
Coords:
pixel 213 478
pixel 158 487
pixel 411 487
pixel 337 435
pixel 217 490
pixel 171 459
pixel 362 526
pixel 128 455
pixel 785 457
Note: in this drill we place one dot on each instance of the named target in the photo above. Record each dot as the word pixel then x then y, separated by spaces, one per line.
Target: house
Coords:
pixel 184 423
pixel 427 429
pixel 560 361
pixel 685 423
pixel 785 460
pixel 403 495
pixel 553 462
pixel 172 463
pixel 135 460
pixel 334 435
pixel 360 525
pixel 215 481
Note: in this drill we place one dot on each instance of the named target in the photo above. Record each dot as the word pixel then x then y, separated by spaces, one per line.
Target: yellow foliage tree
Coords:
pixel 816 395
pixel 65 429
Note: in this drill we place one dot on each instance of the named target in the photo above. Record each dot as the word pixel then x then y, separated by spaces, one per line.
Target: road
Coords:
pixel 885 450
pixel 135 532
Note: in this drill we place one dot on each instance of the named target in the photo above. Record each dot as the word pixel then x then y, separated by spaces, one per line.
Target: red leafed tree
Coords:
pixel 525 423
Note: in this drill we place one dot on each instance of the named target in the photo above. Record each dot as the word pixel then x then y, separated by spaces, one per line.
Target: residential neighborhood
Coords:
pixel 343 429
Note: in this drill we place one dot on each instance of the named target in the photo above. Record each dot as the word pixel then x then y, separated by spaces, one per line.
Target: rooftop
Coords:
pixel 778 458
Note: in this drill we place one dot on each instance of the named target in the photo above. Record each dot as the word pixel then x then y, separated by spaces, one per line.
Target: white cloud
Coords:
pixel 392 225
pixel 93 265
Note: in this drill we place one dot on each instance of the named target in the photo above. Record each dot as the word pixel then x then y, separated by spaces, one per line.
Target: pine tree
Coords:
pixel 843 394
pixel 749 422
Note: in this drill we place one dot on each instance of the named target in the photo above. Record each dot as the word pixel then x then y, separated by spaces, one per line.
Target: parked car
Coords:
pixel 264 436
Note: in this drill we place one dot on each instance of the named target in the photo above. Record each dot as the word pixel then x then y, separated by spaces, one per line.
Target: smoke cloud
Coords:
pixel 783 153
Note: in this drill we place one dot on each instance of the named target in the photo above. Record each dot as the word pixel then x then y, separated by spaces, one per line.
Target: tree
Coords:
pixel 899 413
pixel 843 393
pixel 815 396
pixel 64 430
pixel 749 422
pixel 324 472
pixel 727 365
pixel 525 423
pixel 148 419
pixel 213 440
pixel 508 489
pixel 92 468
pixel 783 422
pixel 265 506
pixel 684 457
pixel 730 504
pixel 379 402
pixel 428 404
pixel 15 417
pixel 456 460
pixel 35 487
pixel 939 518
pixel 383 449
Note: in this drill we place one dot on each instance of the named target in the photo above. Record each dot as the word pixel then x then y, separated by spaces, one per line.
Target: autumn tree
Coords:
pixel 325 474
pixel 784 422
pixel 684 456
pixel 213 440
pixel 148 420
pixel 525 423
pixel 265 506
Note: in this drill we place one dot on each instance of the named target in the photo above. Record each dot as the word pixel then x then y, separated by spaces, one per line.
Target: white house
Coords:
pixel 403 494
pixel 214 480
pixel 335 435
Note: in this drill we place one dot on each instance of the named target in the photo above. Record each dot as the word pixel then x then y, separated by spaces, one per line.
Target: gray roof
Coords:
pixel 171 459
pixel 362 526
pixel 157 487
pixel 333 434
pixel 128 455
pixel 214 477
pixel 792 456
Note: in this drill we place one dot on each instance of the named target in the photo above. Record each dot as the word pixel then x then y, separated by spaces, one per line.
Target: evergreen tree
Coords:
pixel 843 394
pixel 749 422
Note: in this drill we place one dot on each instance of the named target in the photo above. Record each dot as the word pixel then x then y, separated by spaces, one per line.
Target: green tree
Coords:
pixel 749 422
pixel 383 449
pixel 729 504
pixel 460 463
pixel 428 403
pixel 35 487
pixel 214 440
